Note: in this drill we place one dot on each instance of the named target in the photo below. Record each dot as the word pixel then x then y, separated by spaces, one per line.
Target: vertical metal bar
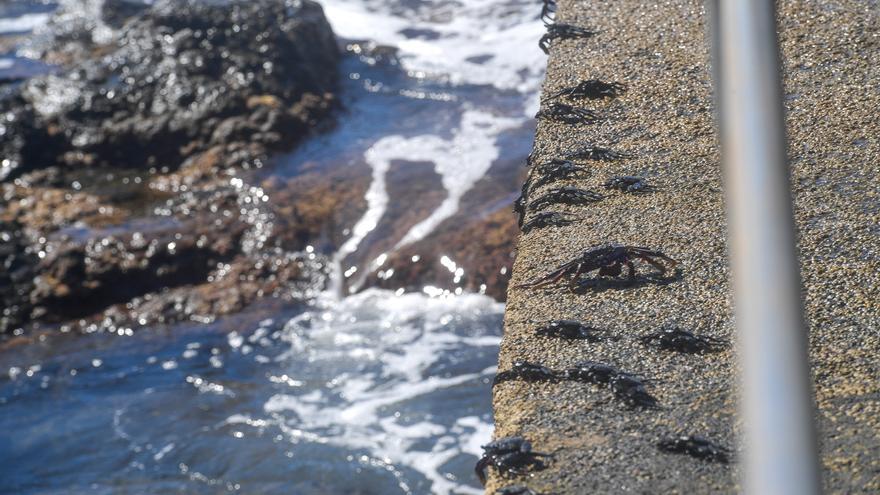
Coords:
pixel 780 443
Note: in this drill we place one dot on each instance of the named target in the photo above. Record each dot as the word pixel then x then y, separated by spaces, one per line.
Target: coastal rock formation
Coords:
pixel 131 171
pixel 17 269
pixel 482 249
pixel 177 79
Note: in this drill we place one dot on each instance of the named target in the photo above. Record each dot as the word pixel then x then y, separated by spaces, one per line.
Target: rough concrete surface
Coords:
pixel 831 56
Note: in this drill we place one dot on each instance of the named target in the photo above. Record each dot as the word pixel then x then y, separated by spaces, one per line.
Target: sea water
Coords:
pixel 372 392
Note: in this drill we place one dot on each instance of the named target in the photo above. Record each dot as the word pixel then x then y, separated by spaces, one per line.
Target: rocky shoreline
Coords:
pixel 129 193
pixel 138 172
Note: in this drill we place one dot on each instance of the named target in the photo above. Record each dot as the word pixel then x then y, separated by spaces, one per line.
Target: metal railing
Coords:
pixel 777 406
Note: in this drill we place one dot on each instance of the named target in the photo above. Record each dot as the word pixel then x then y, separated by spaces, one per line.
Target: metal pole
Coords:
pixel 777 405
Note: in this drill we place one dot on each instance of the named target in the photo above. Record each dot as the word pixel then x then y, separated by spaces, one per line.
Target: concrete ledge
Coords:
pixel 663 124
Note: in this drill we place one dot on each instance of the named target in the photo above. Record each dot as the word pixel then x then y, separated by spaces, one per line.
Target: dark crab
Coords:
pixel 678 340
pixel 547 219
pixel 631 390
pixel 567 114
pixel 591 372
pixel 528 372
pixel 696 446
pixel 569 330
pixel 628 387
pixel 553 170
pixel 629 183
pixel 540 175
pixel 569 195
pixel 598 154
pixel 562 32
pixel 609 260
pixel 548 12
pixel 593 89
pixel 519 206
pixel 510 455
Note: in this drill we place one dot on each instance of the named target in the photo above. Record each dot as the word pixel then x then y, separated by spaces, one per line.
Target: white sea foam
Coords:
pixel 372 401
pixel 460 161
pixel 479 42
pixel 486 42
pixel 387 353
pixel 23 24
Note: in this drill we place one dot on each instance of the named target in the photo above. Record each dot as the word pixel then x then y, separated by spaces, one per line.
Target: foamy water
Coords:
pixel 480 59
pixel 401 353
pixel 22 24
pixel 375 392
pixel 455 47
pixel 481 42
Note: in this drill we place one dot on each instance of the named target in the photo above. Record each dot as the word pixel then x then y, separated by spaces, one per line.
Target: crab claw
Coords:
pixel 481 468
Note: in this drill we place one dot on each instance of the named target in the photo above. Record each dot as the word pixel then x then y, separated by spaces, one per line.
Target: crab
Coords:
pixel 629 183
pixel 631 390
pixel 569 195
pixel 591 372
pixel 528 372
pixel 548 12
pixel 696 446
pixel 609 260
pixel 676 339
pixel 598 154
pixel 546 172
pixel 562 32
pixel 509 455
pixel 553 170
pixel 593 89
pixel 569 330
pixel 547 219
pixel 628 387
pixel 519 206
pixel 567 114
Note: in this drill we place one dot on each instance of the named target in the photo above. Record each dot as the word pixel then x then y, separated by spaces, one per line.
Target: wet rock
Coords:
pixel 211 249
pixel 17 269
pixel 78 279
pixel 317 207
pixel 175 79
pixel 483 249
pixel 46 209
pixel 129 192
pixel 471 251
pixel 229 289
pixel 79 27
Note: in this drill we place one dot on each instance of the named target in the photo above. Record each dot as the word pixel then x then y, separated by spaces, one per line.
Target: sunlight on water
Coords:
pixel 378 392
pixel 391 361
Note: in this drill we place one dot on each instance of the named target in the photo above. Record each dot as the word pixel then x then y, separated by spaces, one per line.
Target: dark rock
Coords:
pixel 79 28
pixel 229 289
pixel 126 192
pixel 178 78
pixel 79 279
pixel 17 269
pixel 114 13
pixel 482 248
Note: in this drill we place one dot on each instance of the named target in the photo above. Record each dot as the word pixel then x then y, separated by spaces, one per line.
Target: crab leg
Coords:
pixel 482 465
pixel 659 266
pixel 642 252
pixel 554 276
